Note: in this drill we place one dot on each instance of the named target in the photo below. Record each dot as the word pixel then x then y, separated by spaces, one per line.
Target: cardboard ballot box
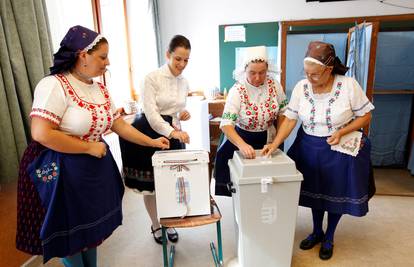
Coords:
pixel 181 183
pixel 265 202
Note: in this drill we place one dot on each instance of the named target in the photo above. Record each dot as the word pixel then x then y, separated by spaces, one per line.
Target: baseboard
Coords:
pixel 34 261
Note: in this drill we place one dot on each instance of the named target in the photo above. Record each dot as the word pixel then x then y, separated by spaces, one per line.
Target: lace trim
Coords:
pixel 97 39
pixel 45 114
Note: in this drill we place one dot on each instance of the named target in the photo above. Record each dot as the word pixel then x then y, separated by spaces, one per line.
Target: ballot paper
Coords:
pixel 349 144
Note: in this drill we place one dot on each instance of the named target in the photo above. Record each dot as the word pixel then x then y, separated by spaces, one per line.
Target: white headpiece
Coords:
pixel 254 53
pixel 251 54
pixel 313 60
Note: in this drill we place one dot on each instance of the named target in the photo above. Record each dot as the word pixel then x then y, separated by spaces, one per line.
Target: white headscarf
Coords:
pixel 251 54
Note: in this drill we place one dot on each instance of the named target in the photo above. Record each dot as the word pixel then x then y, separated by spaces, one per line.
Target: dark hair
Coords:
pixel 65 59
pixel 178 41
pixel 97 45
pixel 257 61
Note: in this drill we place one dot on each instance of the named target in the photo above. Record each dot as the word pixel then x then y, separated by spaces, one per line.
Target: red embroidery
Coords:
pixel 253 110
pixel 91 107
pixel 44 117
pixel 46 114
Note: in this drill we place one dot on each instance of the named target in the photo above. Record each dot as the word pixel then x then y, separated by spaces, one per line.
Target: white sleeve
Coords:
pixel 115 113
pixel 49 100
pixel 360 103
pixel 281 98
pixel 231 108
pixel 292 109
pixel 151 110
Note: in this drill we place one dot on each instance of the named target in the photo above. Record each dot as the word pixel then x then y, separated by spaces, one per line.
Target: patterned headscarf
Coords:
pixel 78 38
pixel 324 54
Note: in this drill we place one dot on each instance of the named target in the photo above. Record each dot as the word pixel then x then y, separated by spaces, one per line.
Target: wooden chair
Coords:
pixel 193 221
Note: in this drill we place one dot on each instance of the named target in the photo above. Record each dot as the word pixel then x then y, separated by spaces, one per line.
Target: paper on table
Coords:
pixel 349 143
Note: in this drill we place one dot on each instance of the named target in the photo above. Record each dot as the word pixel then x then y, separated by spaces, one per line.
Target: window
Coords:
pixel 128 27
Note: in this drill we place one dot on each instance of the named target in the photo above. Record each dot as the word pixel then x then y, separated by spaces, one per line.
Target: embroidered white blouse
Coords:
pixel 163 94
pixel 323 114
pixel 254 108
pixel 79 109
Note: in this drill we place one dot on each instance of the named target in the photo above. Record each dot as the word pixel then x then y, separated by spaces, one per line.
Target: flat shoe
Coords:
pixel 326 251
pixel 157 239
pixel 311 241
pixel 173 237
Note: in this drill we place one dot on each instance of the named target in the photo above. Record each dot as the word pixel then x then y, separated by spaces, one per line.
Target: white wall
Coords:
pixel 198 20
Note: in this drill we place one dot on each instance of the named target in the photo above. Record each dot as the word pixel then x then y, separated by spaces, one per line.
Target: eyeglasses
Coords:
pixel 316 76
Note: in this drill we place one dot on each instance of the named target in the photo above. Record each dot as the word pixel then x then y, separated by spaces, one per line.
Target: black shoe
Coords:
pixel 310 241
pixel 173 237
pixel 157 239
pixel 326 251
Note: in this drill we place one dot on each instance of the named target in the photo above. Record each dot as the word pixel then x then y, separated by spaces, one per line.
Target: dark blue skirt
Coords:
pixel 225 152
pixel 82 196
pixel 333 181
pixel 137 160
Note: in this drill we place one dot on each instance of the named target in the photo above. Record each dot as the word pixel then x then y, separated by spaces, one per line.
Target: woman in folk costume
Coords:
pixel 163 98
pixel 69 187
pixel 330 106
pixel 254 103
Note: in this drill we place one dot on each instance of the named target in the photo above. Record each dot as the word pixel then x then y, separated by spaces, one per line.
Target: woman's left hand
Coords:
pixel 161 142
pixel 184 115
pixel 334 138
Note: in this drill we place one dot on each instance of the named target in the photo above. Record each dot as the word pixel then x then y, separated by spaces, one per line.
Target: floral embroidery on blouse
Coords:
pixel 311 125
pixel 93 108
pixel 283 104
pixel 46 114
pixel 230 116
pixel 330 102
pixel 255 111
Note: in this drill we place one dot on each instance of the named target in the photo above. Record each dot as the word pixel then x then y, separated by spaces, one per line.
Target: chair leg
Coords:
pixel 220 247
pixel 214 253
pixel 172 254
pixel 164 246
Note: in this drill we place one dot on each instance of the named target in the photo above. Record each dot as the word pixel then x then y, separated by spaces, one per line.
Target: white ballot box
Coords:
pixel 265 200
pixel 181 183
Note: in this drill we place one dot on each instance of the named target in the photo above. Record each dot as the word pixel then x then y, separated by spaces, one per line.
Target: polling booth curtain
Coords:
pixel 358 54
pixel 25 56
pixel 389 129
pixel 394 70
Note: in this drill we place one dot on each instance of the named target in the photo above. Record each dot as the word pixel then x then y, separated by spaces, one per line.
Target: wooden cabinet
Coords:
pixel 215 108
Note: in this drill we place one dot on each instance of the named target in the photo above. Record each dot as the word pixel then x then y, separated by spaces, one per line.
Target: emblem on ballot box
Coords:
pixel 268 211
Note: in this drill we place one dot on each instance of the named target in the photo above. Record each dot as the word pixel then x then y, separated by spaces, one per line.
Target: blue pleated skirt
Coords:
pixel 82 196
pixel 225 152
pixel 333 181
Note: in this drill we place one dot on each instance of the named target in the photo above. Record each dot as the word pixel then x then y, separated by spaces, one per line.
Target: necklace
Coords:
pixel 82 77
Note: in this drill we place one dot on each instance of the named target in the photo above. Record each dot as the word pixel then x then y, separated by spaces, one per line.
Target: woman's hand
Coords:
pixel 247 151
pixel 180 135
pixel 268 149
pixel 334 138
pixel 161 142
pixel 184 115
pixel 97 149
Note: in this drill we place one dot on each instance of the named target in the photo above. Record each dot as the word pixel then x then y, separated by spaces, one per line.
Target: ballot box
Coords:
pixel 181 183
pixel 265 193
